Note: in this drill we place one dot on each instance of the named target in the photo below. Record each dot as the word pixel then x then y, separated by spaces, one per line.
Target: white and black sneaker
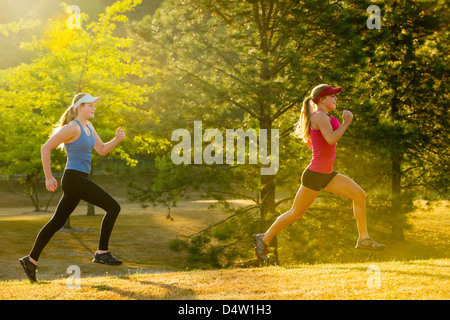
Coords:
pixel 106 258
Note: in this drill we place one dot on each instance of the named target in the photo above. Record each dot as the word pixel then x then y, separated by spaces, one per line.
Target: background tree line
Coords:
pixel 249 64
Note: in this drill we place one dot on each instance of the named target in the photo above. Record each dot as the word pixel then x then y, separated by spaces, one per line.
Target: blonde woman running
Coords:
pixel 79 137
pixel 320 132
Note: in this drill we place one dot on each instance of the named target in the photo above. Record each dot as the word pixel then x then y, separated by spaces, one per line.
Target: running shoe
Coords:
pixel 107 258
pixel 261 248
pixel 369 244
pixel 29 268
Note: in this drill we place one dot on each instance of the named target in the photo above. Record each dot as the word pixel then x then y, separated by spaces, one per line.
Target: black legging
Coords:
pixel 76 187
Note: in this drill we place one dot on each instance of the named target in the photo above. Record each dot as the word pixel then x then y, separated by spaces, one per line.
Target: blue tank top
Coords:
pixel 79 152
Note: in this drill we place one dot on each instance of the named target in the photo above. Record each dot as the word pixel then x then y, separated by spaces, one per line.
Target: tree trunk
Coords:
pixel 267 194
pixel 11 183
pixel 267 181
pixel 397 213
pixel 263 15
pixel 396 209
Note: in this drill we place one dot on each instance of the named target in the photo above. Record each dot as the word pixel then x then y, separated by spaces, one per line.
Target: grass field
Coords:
pixel 417 279
pixel 418 268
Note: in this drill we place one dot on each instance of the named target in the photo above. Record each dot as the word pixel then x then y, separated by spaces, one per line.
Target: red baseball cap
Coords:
pixel 328 91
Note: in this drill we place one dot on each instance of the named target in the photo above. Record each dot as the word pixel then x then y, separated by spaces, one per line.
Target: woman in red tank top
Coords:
pixel 320 132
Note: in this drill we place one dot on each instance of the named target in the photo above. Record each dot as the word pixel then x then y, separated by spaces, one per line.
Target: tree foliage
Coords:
pixel 250 64
pixel 90 59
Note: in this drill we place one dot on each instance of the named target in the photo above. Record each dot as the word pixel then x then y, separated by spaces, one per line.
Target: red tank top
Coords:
pixel 323 153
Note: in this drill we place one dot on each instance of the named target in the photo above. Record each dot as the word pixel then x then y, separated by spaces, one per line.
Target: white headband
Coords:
pixel 86 99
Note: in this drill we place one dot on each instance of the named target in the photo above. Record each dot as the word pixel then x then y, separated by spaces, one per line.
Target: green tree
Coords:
pixel 90 59
pixel 403 92
pixel 247 64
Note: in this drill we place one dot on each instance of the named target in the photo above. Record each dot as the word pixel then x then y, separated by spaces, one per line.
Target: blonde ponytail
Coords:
pixel 303 126
pixel 68 115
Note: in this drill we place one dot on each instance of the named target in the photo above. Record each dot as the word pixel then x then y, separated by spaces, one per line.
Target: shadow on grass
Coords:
pixel 173 291
pixel 392 270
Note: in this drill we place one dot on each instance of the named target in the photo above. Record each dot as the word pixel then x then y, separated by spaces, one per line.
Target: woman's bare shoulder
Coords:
pixel 72 126
pixel 318 116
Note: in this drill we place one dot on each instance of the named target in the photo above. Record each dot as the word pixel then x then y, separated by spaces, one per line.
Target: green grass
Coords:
pixel 416 279
pixel 418 268
pixel 140 237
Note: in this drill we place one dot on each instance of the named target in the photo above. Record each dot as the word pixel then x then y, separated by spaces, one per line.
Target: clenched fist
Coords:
pixel 347 116
pixel 120 134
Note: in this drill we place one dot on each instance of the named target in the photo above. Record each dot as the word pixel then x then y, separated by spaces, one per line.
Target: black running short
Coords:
pixel 316 180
